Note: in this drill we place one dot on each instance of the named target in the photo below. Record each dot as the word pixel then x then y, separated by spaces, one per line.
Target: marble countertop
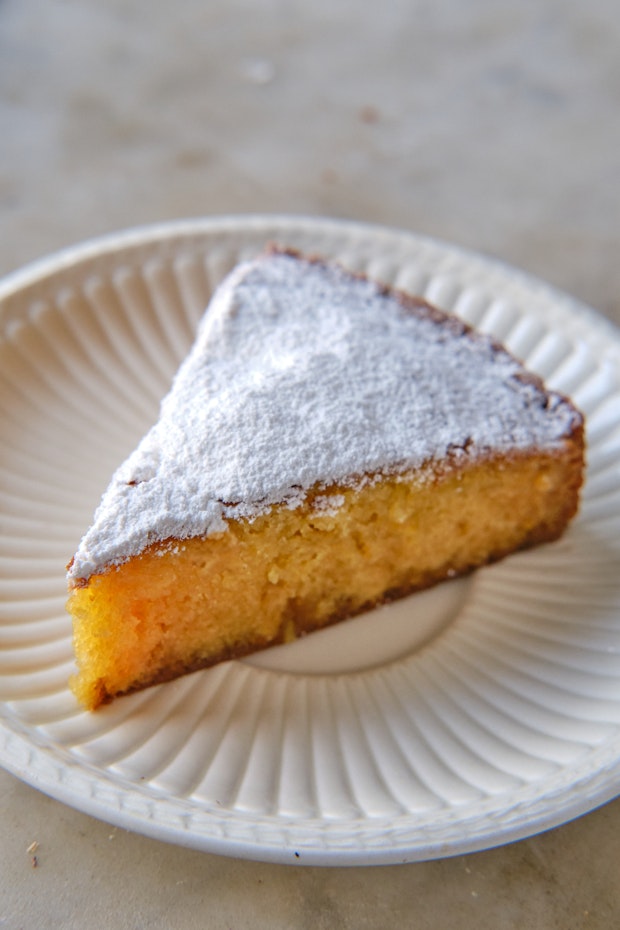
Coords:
pixel 493 126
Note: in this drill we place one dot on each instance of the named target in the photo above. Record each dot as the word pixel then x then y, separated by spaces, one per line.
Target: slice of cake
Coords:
pixel 329 444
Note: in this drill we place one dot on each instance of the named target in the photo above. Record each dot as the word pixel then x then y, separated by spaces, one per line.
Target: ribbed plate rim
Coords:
pixel 33 763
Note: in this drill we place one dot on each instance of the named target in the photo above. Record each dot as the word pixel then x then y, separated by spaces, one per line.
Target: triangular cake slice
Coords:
pixel 329 444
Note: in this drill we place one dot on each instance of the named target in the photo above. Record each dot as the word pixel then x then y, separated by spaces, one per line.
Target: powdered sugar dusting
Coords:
pixel 302 374
pixel 327 505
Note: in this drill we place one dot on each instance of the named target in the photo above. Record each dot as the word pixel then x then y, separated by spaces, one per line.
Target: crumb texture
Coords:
pixel 183 606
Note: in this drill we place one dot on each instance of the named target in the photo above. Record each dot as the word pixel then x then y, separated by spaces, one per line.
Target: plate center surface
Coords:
pixel 373 639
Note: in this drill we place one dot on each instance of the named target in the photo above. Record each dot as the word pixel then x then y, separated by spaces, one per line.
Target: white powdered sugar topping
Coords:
pixel 304 375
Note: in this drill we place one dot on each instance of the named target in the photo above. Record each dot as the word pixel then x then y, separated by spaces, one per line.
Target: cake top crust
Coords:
pixel 303 375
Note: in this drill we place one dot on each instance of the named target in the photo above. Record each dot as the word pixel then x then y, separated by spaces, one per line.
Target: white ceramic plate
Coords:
pixel 477 713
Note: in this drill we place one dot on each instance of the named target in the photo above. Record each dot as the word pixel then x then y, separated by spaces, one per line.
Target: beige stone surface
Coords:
pixel 492 125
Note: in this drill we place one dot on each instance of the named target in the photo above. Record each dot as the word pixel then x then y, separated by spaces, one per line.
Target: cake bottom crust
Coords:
pixel 182 605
